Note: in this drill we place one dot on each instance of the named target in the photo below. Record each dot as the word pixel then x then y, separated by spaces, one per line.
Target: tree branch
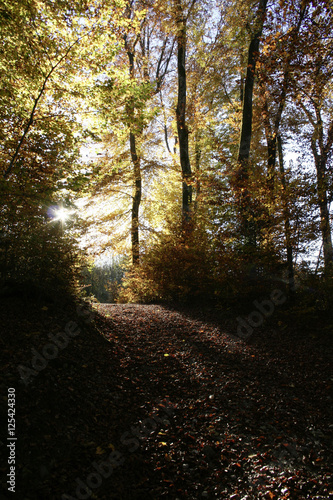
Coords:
pixel 36 101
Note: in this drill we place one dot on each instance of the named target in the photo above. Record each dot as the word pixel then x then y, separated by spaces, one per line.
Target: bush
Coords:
pixel 38 260
pixel 199 268
pixel 177 269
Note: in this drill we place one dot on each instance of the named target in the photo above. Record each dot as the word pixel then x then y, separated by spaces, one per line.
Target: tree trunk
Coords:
pixel 286 217
pixel 324 213
pixel 181 117
pixel 271 138
pixel 242 191
pixel 321 153
pixel 271 160
pixel 136 201
pixel 137 182
pixel 197 170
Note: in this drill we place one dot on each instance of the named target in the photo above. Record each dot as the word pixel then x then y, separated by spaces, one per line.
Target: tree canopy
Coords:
pixel 192 138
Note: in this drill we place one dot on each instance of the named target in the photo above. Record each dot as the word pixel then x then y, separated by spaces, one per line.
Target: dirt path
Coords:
pixel 149 403
pixel 247 419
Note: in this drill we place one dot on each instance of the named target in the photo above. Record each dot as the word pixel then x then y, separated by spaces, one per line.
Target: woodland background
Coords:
pixel 188 144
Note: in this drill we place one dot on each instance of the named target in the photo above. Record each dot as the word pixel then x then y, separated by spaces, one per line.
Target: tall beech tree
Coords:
pixel 275 74
pixel 48 53
pixel 181 18
pixel 152 68
pixel 126 97
pixel 313 94
pixel 322 146
pixel 136 160
pixel 286 218
pixel 242 192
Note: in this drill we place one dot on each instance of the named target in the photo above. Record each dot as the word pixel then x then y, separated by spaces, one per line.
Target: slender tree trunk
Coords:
pixel 166 138
pixel 271 138
pixel 197 170
pixel 243 194
pixel 137 186
pixel 286 217
pixel 246 132
pixel 321 153
pixel 242 79
pixel 324 214
pixel 181 116
pixel 271 160
pixel 321 150
pixel 137 182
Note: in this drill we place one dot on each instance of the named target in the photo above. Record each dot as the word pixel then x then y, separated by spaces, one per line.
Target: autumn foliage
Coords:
pixel 195 143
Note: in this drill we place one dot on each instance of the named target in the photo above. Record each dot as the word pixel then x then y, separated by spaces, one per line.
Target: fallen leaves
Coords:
pixel 207 415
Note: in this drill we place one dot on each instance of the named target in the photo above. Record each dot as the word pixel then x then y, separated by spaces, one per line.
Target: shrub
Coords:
pixel 38 258
pixel 174 270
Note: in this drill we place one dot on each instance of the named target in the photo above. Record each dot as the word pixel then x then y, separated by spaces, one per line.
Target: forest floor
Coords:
pixel 147 402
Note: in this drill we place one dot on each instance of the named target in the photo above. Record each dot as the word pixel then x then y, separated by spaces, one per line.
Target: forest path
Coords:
pixel 248 418
pixel 180 407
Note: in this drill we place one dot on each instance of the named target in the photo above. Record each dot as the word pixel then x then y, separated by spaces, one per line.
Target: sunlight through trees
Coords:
pixel 187 112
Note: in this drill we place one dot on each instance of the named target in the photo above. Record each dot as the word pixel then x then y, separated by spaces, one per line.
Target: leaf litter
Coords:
pixel 209 416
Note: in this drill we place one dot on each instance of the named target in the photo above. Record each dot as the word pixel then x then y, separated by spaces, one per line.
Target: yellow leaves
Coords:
pixel 101 451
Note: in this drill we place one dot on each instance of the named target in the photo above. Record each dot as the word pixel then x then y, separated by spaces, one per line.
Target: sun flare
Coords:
pixel 60 213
